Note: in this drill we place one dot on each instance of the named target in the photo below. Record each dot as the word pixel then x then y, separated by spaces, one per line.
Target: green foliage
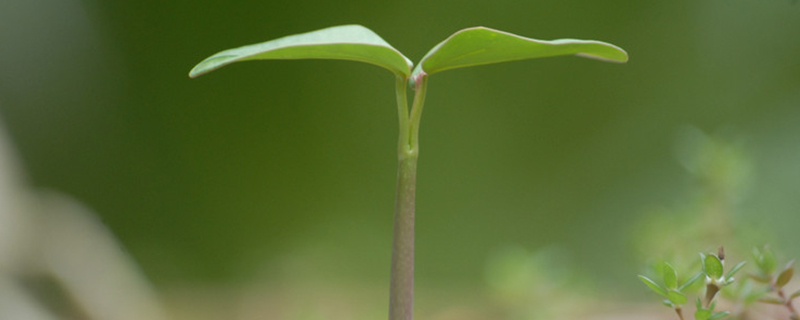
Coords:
pixel 712 266
pixel 480 45
pixel 692 280
pixel 676 297
pixel 467 47
pixel 773 283
pixel 704 314
pixel 785 275
pixel 675 294
pixel 653 285
pixel 712 270
pixel 708 313
pixel 349 42
pixel 765 260
pixel 670 276
pixel 734 270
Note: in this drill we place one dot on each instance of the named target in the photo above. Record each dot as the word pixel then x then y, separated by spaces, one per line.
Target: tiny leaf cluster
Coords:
pixel 770 287
pixel 676 294
pixel 775 280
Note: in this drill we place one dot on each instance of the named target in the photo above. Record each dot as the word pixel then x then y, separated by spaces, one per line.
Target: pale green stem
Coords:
pixel 416 111
pixel 400 86
pixel 401 292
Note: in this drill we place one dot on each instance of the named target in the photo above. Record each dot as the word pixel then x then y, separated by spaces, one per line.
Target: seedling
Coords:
pixel 715 279
pixel 767 265
pixel 465 48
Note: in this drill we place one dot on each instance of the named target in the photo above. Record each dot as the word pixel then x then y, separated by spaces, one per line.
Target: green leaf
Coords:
pixel 668 303
pixel 736 269
pixel 676 297
pixel 785 275
pixel 348 42
pixel 670 276
pixel 653 285
pixel 691 281
pixel 765 260
pixel 712 266
pixel 481 45
pixel 795 294
pixel 702 314
pixel 719 315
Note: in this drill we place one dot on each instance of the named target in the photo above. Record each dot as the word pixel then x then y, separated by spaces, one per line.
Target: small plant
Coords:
pixel 676 295
pixel 467 47
pixel 767 265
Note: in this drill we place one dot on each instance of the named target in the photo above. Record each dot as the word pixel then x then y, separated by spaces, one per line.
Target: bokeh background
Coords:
pixel 265 190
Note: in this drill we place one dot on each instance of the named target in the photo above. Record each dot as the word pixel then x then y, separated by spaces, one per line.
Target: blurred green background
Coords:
pixel 268 171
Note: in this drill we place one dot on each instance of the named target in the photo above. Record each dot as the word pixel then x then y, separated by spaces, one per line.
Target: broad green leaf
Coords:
pixel 702 314
pixel 670 276
pixel 348 42
pixel 676 297
pixel 712 266
pixel 785 276
pixel 481 45
pixel 653 285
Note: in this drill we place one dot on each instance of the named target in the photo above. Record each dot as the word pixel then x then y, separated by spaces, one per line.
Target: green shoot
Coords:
pixel 465 48
pixel 676 295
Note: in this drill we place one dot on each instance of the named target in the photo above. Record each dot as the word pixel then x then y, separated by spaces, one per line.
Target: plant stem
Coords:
pixel 788 304
pixel 679 312
pixel 711 292
pixel 401 292
pixel 401 299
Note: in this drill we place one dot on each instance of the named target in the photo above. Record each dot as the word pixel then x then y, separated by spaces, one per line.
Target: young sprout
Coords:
pixel 465 48
pixel 767 264
pixel 715 279
pixel 708 313
pixel 674 294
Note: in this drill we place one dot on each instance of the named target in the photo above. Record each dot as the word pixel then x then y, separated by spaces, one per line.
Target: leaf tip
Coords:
pixel 194 73
pixel 619 56
pixel 198 70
